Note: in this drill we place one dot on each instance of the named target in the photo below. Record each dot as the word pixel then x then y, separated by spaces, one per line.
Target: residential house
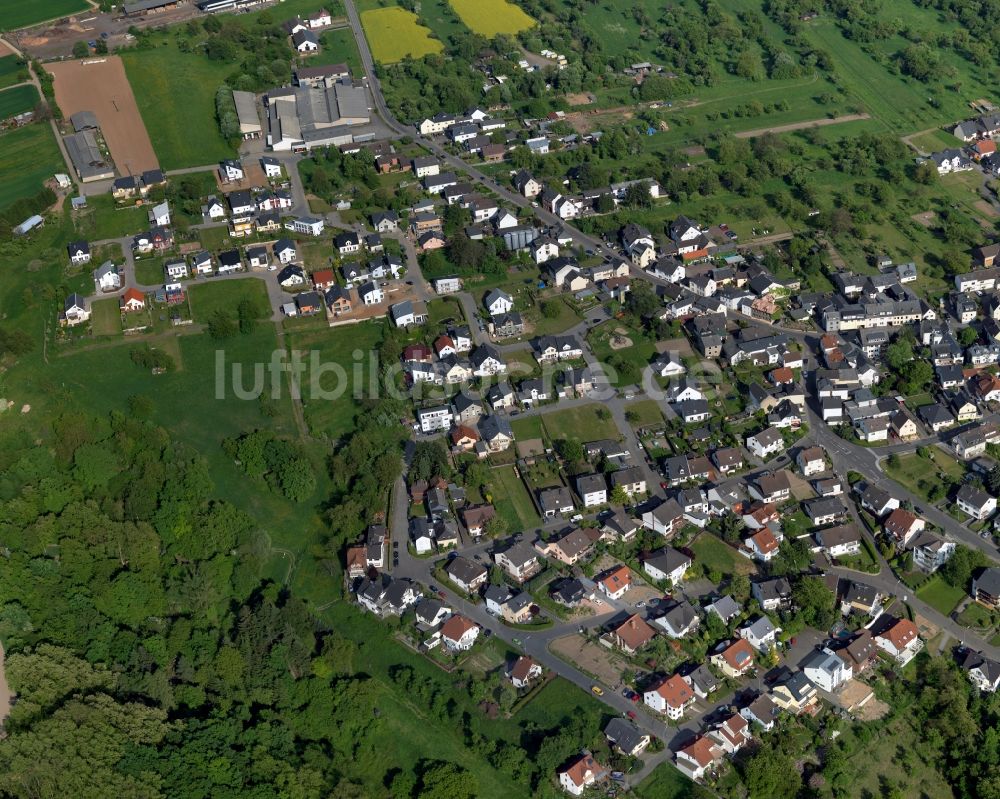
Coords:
pixel 731 734
pixel 760 633
pixel 670 696
pixel 466 574
pixel 725 607
pixel 679 620
pixel 984 672
pixel 555 501
pixel 593 489
pixel 903 525
pixel 796 694
pixel 699 757
pixel 581 773
pixel 524 672
pixel 975 502
pixel 771 594
pixel 79 252
pixel 106 277
pixel 519 560
pixel 986 588
pixel 841 541
pixel 284 250
pixel 825 669
pixel 811 460
pixel 762 711
pixel 900 639
pixel 666 564
pixel 459 633
pixel 632 635
pixel 930 552
pixel 615 582
pixel 626 737
pixel 766 443
pixel 568 548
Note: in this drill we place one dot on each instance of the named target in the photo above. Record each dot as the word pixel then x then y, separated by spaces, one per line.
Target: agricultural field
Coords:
pixel 10 69
pixel 394 34
pixel 175 93
pixel 22 13
pixel 18 100
pixel 28 157
pixel 492 17
pixel 225 295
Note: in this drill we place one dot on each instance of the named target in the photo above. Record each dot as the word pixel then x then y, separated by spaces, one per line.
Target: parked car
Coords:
pixel 596 690
pixel 631 714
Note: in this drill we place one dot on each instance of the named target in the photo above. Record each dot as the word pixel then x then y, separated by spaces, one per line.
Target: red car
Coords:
pixel 631 714
pixel 635 698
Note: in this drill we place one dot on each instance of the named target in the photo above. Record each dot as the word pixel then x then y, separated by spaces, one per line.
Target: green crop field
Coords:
pixel 17 100
pixel 10 67
pixel 490 17
pixel 28 156
pixel 175 93
pixel 394 33
pixel 16 14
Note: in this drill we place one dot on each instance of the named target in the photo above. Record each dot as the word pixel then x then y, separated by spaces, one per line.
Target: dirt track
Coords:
pixel 99 85
pixel 813 123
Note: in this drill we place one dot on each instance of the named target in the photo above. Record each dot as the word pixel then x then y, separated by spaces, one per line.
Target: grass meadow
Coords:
pixel 28 157
pixel 491 17
pixel 394 33
pixel 175 93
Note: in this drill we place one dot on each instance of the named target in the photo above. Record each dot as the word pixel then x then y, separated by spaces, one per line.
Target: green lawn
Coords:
pixel 175 93
pixel 666 782
pixel 648 413
pixel 527 427
pixel 919 475
pixel 338 47
pixel 149 271
pixel 394 34
pixel 940 595
pixel 975 615
pixel 28 157
pixel 583 423
pixel 226 295
pixel 17 100
pixel 11 70
pixel 102 219
pixel 562 316
pixel 628 361
pixel 511 499
pixel 106 317
pixel 491 17
pixel 22 13
pixel 718 556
